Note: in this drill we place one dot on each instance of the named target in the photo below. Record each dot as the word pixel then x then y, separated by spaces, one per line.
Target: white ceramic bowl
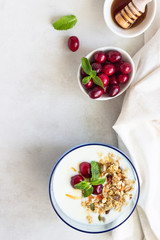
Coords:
pixel 89 152
pixel 125 56
pixel 132 32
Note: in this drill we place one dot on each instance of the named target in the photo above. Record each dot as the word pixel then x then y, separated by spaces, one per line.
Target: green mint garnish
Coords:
pixel 98 81
pixel 95 171
pixel 82 185
pixel 86 66
pixel 88 191
pixel 65 22
pixel 99 181
pixel 86 186
pixel 92 74
pixel 85 80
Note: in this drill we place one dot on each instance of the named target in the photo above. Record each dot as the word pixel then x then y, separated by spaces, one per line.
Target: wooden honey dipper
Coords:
pixel 128 15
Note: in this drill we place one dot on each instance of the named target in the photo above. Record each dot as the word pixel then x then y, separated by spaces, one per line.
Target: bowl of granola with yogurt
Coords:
pixel 94 188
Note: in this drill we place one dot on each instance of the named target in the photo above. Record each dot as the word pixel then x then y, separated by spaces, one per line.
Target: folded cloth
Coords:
pixel 138 127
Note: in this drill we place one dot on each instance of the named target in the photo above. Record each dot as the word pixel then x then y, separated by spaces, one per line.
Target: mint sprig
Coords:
pixel 65 22
pixel 86 66
pixel 85 80
pixel 82 185
pixel 87 187
pixel 88 191
pixel 99 181
pixel 95 171
pixel 92 74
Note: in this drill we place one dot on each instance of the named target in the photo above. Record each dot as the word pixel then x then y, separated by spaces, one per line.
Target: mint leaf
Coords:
pixel 88 191
pixel 99 181
pixel 98 81
pixel 95 171
pixel 93 73
pixel 82 185
pixel 86 66
pixel 65 22
pixel 85 80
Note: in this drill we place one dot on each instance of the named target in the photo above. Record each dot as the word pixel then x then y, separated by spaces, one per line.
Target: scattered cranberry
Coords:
pixel 97 189
pixel 97 67
pixel 100 57
pixel 76 179
pixel 114 90
pixel 123 78
pixel 89 84
pixel 83 74
pixel 85 169
pixel 96 92
pixel 104 78
pixel 73 43
pixel 114 56
pixel 113 80
pixel 125 68
pixel 109 69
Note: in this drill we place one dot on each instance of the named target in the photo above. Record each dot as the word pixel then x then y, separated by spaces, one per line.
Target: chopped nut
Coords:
pixel 106 212
pixel 89 219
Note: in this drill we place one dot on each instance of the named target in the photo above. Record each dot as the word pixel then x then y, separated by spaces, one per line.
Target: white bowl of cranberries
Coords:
pixel 105 73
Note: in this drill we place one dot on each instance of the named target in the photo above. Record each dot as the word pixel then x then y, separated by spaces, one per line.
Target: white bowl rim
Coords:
pixel 88 144
pixel 108 48
pixel 134 34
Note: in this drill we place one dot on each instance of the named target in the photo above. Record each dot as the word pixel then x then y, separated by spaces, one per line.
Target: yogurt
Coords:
pixel 66 169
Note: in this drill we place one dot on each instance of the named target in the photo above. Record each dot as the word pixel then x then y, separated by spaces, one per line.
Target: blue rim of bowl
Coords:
pixel 83 145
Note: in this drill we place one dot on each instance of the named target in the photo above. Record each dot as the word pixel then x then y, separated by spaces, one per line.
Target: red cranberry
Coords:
pixel 117 65
pixel 125 68
pixel 100 57
pixel 96 92
pixel 97 67
pixel 83 74
pixel 114 90
pixel 104 78
pixel 109 69
pixel 114 56
pixel 113 80
pixel 107 88
pixel 97 189
pixel 73 43
pixel 123 78
pixel 85 169
pixel 89 84
pixel 76 179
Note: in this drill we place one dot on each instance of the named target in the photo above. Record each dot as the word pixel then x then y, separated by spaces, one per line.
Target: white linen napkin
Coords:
pixel 138 126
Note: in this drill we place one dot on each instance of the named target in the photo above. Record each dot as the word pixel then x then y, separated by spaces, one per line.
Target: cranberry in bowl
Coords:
pixel 105 73
pixel 94 188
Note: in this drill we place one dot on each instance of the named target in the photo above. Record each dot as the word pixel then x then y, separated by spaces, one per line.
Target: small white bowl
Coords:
pixel 132 32
pixel 125 57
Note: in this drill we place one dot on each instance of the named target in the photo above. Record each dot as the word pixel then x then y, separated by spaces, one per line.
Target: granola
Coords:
pixel 116 189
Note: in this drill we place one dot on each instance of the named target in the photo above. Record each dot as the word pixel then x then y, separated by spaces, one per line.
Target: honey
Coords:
pixel 118 5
